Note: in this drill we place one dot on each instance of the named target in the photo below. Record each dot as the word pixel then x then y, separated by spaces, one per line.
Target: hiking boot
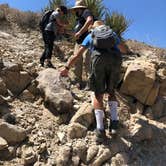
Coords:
pixel 113 126
pixel 100 135
pixel 49 65
pixel 41 62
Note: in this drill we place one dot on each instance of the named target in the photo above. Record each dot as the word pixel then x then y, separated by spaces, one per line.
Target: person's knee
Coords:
pixel 98 101
pixel 112 97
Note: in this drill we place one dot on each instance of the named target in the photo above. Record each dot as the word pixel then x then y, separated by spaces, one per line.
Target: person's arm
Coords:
pixel 72 61
pixel 88 22
pixel 60 23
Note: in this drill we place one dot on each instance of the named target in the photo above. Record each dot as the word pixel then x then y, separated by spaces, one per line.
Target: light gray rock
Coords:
pixel 12 134
pixel 16 81
pixel 9 66
pixel 57 98
pixel 64 156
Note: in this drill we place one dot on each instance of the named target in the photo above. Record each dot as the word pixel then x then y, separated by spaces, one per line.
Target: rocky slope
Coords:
pixel 45 120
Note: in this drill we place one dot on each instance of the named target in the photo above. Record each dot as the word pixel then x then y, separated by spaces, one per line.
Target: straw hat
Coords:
pixel 79 4
pixel 96 24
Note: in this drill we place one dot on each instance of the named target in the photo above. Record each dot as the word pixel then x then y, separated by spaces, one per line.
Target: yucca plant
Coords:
pixel 118 22
pixel 53 4
pixel 96 7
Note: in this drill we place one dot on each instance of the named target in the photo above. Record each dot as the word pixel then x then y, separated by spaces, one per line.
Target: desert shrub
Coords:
pixel 3 12
pixel 27 19
pixel 118 22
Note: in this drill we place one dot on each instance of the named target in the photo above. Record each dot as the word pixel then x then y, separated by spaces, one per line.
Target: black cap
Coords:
pixel 63 9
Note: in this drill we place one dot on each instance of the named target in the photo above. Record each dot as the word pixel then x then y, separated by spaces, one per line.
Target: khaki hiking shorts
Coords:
pixel 105 71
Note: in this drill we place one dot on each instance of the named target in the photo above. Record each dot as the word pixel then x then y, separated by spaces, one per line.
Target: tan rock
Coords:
pixel 16 81
pixel 105 154
pixel 153 94
pixel 3 89
pixel 139 108
pixel 139 81
pixel 159 108
pixel 92 152
pixel 162 76
pixel 12 134
pixel 76 130
pixel 80 149
pixel 3 143
pixel 140 129
pixel 120 159
pixel 84 115
pixel 64 156
pixel 29 156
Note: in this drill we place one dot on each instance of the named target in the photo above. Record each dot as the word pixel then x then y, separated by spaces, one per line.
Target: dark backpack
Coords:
pixel 103 37
pixel 45 19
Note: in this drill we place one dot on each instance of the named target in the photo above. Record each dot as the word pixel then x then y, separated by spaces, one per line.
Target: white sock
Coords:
pixel 99 114
pixel 113 110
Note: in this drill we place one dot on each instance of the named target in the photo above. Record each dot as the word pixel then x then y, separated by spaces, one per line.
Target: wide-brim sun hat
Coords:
pixel 79 5
pixel 97 24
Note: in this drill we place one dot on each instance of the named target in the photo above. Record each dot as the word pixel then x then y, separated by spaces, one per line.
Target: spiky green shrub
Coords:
pixel 53 4
pixel 118 22
pixel 96 7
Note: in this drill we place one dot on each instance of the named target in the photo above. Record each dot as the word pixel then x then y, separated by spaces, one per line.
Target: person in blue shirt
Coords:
pixel 105 71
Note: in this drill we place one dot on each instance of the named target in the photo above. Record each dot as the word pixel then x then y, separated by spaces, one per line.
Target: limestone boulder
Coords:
pixel 76 130
pixel 162 78
pixel 140 82
pixel 3 143
pixel 29 156
pixel 3 89
pixel 15 79
pixel 104 154
pixel 159 108
pixel 2 100
pixel 11 133
pixel 84 115
pixel 80 149
pixel 64 155
pixel 140 129
pixel 10 66
pixel 56 97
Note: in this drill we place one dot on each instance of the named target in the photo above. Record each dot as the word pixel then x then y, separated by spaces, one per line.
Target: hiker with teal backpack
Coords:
pixel 106 60
pixel 50 25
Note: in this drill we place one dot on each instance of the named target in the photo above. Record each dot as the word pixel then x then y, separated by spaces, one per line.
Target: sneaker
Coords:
pixel 49 65
pixel 42 63
pixel 113 126
pixel 100 135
